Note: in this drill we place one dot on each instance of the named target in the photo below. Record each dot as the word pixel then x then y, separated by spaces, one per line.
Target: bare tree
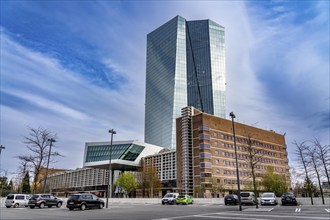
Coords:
pixel 253 160
pixel 323 154
pixel 148 180
pixel 312 156
pixel 295 177
pixel 300 151
pixel 38 145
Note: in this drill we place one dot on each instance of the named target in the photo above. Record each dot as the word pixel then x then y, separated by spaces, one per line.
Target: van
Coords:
pixel 170 198
pixel 248 198
pixel 17 200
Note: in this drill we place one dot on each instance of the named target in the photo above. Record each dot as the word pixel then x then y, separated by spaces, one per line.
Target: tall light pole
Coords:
pixel 2 148
pixel 237 173
pixel 109 187
pixel 51 140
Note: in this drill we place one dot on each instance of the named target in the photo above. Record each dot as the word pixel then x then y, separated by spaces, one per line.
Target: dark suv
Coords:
pixel 288 198
pixel 42 200
pixel 84 201
pixel 231 199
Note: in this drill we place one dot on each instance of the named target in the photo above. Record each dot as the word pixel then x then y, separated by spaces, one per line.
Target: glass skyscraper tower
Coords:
pixel 185 67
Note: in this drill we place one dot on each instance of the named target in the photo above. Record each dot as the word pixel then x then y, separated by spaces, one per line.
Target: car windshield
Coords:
pixel 182 196
pixel 34 196
pixel 74 197
pixel 268 195
pixel 245 194
pixel 230 196
pixel 168 195
pixel 288 194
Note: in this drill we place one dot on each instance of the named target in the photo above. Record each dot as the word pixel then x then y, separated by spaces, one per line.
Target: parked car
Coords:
pixel 288 198
pixel 184 200
pixel 17 200
pixel 84 201
pixel 170 198
pixel 268 198
pixel 231 199
pixel 248 198
pixel 42 200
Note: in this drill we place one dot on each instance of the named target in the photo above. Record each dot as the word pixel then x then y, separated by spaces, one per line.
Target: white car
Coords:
pixel 17 200
pixel 268 198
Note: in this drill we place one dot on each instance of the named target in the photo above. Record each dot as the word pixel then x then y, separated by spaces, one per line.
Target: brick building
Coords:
pixel 205 154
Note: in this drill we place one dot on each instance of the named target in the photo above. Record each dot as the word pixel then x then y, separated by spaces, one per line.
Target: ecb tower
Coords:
pixel 185 67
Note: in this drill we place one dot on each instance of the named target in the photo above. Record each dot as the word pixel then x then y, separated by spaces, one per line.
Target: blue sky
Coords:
pixel 78 68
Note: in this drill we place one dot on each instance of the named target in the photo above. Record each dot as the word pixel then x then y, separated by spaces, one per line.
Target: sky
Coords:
pixel 78 68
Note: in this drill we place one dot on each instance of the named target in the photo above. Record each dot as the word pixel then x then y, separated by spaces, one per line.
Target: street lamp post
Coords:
pixel 109 187
pixel 237 173
pixel 51 140
pixel 1 148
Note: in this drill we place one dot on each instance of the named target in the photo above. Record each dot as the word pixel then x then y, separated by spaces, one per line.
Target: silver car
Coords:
pixel 17 200
pixel 268 198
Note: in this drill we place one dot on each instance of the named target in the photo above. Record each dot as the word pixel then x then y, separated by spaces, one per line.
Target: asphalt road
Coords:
pixel 170 212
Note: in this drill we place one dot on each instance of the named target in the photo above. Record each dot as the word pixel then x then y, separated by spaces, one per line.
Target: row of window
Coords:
pixel 242 148
pixel 244 165
pixel 230 137
pixel 246 157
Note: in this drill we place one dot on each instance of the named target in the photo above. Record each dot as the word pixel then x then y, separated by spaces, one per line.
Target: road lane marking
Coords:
pixel 227 215
pixel 327 210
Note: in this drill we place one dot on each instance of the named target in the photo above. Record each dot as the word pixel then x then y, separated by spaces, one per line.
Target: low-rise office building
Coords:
pixel 93 177
pixel 164 163
pixel 205 154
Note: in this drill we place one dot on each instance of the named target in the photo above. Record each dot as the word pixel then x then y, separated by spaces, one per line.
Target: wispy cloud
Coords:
pixel 79 68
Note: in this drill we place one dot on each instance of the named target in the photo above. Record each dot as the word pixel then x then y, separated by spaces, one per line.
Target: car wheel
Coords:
pixel 82 207
pixel 101 206
pixel 226 203
pixel 163 203
pixel 42 205
pixel 70 209
pixel 16 205
pixel 58 205
pixel 32 207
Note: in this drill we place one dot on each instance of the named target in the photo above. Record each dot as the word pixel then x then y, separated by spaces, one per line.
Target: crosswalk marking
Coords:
pixel 298 210
pixel 327 210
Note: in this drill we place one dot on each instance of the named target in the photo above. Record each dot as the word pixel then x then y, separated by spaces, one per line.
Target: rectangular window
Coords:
pixel 203 128
pixel 204 146
pixel 204 137
pixel 205 165
pixel 205 155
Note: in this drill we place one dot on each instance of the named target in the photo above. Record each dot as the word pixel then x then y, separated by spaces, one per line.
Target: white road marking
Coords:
pixel 224 215
pixel 327 210
pixel 298 210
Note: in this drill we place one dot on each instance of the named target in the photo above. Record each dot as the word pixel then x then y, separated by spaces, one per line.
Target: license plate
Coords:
pixel 71 203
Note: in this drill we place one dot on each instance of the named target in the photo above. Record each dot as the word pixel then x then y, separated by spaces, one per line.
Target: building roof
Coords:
pixel 125 155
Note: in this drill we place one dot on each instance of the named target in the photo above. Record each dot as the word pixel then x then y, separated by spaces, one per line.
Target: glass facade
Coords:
pixel 119 151
pixel 185 67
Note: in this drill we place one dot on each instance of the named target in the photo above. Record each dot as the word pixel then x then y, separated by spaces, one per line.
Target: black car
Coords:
pixel 84 201
pixel 288 198
pixel 42 200
pixel 231 199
